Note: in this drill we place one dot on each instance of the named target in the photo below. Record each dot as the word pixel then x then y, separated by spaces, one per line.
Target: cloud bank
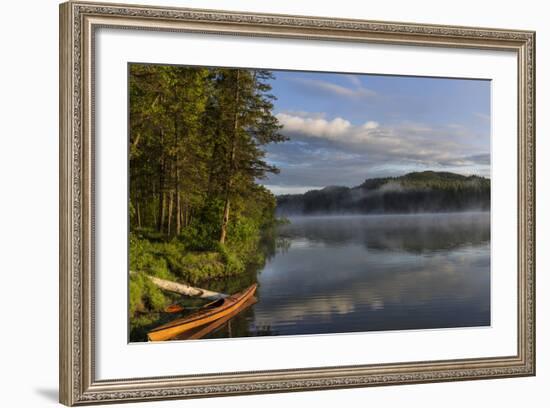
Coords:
pixel 335 151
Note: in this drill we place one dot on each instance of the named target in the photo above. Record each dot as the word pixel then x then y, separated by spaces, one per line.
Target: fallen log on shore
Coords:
pixel 183 289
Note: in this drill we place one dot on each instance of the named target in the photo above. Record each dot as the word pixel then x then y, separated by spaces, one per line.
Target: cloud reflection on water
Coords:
pixel 362 273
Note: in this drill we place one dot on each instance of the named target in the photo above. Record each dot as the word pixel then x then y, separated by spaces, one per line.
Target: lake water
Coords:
pixel 335 274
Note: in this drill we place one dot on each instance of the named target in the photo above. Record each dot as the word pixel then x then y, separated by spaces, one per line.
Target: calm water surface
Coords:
pixel 335 274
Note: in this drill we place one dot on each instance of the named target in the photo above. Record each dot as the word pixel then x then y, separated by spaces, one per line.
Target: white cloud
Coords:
pixel 482 116
pixel 314 126
pixel 354 79
pixel 337 129
pixel 405 142
pixel 304 114
pixel 356 92
pixel 371 125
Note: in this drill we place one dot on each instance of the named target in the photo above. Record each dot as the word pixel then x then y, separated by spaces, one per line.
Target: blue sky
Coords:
pixel 345 128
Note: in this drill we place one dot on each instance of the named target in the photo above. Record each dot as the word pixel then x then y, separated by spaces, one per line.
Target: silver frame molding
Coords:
pixel 78 22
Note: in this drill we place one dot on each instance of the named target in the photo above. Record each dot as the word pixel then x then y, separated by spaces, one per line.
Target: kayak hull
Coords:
pixel 212 312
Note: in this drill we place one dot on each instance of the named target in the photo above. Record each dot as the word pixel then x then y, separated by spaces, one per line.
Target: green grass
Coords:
pixel 171 260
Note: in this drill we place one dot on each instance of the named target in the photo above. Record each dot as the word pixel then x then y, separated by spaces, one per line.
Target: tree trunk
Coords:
pixel 162 210
pixel 187 214
pixel 183 289
pixel 183 214
pixel 138 213
pixel 177 173
pixel 225 219
pixel 178 208
pixel 170 206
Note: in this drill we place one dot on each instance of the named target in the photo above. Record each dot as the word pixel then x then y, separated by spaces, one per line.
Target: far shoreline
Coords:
pixel 350 215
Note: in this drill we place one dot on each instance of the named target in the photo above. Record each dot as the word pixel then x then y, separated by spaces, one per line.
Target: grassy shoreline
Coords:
pixel 218 267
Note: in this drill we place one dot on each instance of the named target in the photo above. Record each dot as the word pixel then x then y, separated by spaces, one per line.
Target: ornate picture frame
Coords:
pixel 78 24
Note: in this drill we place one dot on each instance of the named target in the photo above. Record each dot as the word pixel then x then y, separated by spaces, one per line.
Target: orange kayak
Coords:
pixel 209 313
pixel 201 331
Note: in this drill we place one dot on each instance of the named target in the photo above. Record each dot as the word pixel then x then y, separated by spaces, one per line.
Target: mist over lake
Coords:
pixel 417 192
pixel 355 273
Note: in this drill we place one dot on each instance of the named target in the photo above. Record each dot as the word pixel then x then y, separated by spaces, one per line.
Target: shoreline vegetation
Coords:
pixel 197 213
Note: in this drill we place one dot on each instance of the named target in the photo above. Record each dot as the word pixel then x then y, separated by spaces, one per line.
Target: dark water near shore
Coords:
pixel 335 274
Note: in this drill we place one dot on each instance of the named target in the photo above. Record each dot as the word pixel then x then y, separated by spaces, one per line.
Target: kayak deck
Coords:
pixel 209 313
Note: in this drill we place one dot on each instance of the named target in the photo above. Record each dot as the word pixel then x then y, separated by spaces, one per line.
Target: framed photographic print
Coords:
pixel 262 203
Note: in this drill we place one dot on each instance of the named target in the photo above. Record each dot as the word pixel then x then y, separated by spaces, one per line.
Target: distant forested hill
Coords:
pixel 427 191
